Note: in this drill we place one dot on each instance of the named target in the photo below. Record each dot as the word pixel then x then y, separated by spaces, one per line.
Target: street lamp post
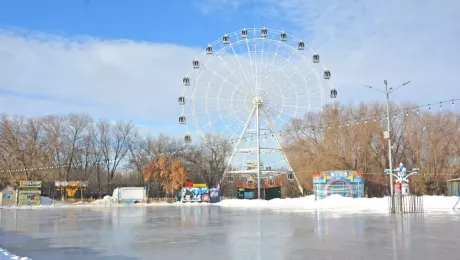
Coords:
pixel 387 134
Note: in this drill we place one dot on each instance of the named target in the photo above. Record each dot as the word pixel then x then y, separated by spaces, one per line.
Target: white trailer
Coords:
pixel 130 195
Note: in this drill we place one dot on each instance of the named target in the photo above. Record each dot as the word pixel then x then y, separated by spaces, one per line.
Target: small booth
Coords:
pixel 246 189
pixel 342 182
pixel 8 196
pixel 452 187
pixel 214 194
pixel 71 187
pixel 272 189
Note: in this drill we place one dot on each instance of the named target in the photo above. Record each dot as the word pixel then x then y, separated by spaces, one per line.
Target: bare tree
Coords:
pixel 208 162
pixel 72 139
pixel 114 142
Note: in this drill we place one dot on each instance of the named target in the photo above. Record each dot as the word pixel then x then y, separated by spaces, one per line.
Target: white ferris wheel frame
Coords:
pixel 257 109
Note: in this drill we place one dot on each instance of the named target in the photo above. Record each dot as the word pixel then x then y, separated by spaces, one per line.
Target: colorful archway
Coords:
pixel 335 181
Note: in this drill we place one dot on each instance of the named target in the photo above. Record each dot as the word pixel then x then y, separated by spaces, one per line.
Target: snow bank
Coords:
pixel 7 255
pixel 107 200
pixel 337 202
pixel 45 201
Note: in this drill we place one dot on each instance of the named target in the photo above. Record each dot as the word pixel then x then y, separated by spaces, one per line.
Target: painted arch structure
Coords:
pixel 341 182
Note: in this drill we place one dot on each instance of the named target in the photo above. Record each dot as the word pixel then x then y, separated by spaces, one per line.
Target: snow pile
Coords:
pixel 337 202
pixel 7 255
pixel 440 202
pixel 45 201
pixel 107 200
pixel 334 202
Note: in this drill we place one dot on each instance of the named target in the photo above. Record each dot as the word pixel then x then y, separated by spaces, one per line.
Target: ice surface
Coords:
pixel 204 231
pixel 4 255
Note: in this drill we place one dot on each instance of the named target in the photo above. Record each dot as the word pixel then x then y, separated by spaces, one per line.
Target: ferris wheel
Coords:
pixel 248 85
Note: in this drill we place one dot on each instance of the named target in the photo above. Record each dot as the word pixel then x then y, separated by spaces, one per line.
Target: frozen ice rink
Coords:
pixel 215 232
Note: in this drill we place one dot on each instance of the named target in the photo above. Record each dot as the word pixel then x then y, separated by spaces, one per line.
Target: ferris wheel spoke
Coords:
pixel 248 81
pixel 225 79
pixel 227 65
pixel 250 64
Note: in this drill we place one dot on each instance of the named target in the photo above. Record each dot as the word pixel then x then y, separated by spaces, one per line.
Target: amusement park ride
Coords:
pixel 248 85
pixel 402 175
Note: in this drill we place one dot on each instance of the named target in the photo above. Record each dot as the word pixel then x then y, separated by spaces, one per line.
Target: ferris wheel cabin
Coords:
pixel 182 120
pixel 315 58
pixel 283 36
pixel 226 39
pixel 333 93
pixel 264 32
pixel 209 50
pixel 244 33
pixel 301 46
pixel 188 138
pixel 196 64
pixel 186 81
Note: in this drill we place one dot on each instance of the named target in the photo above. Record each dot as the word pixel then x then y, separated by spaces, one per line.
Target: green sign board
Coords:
pixel 29 193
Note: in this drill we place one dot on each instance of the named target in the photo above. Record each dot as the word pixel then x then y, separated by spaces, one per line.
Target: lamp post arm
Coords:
pixel 394 89
pixel 379 90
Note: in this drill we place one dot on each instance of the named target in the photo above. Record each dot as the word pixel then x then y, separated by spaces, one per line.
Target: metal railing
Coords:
pixel 405 204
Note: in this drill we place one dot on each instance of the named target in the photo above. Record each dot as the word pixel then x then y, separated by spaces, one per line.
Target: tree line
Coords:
pixel 111 154
pixel 107 154
pixel 351 137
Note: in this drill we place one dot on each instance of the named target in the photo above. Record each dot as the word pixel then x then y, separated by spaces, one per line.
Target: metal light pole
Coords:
pixel 387 134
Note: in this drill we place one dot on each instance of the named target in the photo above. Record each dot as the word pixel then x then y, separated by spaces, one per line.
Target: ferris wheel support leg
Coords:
pixel 281 149
pixel 258 150
pixel 237 144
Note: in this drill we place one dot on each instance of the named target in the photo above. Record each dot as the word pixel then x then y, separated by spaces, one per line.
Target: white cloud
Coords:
pixel 365 42
pixel 361 42
pixel 116 79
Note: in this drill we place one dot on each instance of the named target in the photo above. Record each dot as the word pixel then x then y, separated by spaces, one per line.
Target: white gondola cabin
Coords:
pixel 209 50
pixel 196 64
pixel 226 39
pixel 187 138
pixel 181 100
pixel 333 93
pixel 182 120
pixel 264 32
pixel 301 46
pixel 186 81
pixel 283 36
pixel 327 74
pixel 315 58
pixel 244 33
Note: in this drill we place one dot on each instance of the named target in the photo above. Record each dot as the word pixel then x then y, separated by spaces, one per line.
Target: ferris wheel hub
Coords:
pixel 257 101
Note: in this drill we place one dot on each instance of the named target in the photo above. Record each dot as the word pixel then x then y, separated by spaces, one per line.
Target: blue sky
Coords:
pixel 178 22
pixel 125 59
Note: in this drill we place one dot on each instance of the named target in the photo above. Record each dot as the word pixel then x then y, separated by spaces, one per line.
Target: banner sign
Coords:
pixel 200 185
pixel 30 184
pixel 29 193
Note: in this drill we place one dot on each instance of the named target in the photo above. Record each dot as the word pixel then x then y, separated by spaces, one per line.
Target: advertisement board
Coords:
pixel 29 193
pixel 195 194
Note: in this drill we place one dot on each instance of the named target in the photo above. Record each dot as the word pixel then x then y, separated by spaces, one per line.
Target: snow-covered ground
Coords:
pixel 336 202
pixel 4 255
